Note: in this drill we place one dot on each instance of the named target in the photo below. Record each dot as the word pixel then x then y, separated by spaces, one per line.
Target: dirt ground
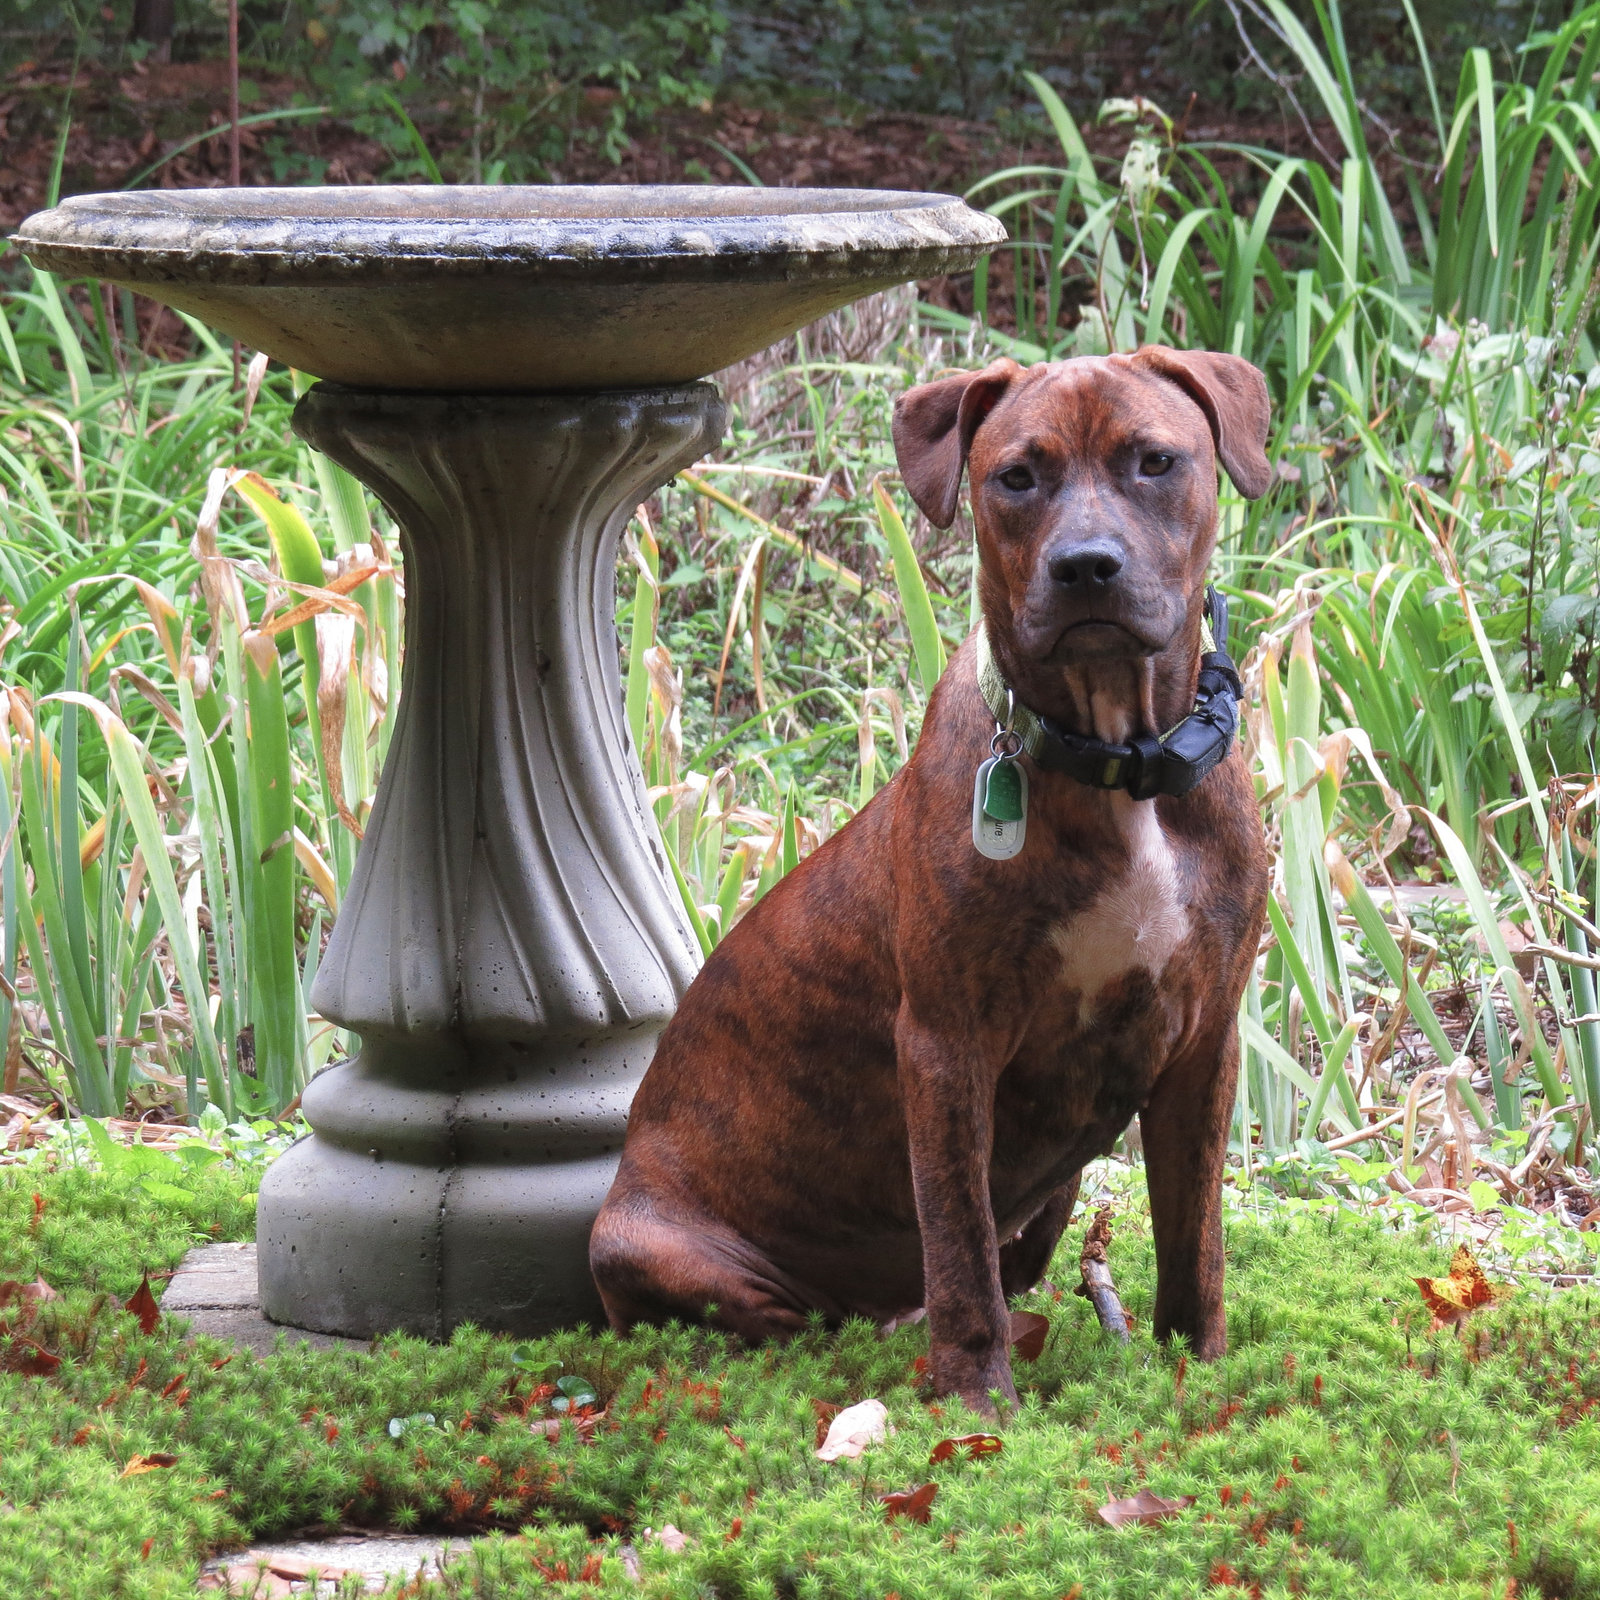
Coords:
pixel 132 129
pixel 122 124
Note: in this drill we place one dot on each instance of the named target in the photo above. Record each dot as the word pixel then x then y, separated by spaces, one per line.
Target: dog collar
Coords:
pixel 1173 764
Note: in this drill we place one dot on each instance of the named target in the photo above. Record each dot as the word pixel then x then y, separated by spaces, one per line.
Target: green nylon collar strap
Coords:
pixel 1145 767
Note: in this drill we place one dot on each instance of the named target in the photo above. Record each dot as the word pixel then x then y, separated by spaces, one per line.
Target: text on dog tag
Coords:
pixel 999 838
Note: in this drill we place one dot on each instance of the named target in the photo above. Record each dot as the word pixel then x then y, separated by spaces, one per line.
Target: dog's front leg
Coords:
pixel 1185 1131
pixel 949 1104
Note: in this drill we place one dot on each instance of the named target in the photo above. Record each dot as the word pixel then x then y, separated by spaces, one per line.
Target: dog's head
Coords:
pixel 1094 491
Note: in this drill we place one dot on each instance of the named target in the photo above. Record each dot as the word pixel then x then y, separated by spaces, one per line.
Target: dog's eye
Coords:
pixel 1155 463
pixel 1017 478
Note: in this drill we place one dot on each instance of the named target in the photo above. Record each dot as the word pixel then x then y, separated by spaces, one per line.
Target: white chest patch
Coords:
pixel 1134 923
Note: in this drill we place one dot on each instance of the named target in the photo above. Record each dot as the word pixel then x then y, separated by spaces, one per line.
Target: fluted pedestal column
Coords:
pixel 510 946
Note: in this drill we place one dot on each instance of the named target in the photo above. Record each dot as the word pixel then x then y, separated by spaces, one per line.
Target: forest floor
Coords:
pixel 124 122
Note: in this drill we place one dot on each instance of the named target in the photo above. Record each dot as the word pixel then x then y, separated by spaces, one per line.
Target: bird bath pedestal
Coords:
pixel 511 371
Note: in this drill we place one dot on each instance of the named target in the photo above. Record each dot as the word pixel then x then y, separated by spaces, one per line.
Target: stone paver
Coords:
pixel 284 1568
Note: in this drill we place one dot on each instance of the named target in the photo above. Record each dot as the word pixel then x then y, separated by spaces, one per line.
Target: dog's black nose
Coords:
pixel 1094 564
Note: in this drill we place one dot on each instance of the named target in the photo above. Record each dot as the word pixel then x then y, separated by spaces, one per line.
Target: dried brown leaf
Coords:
pixel 970 1445
pixel 1144 1507
pixel 1466 1290
pixel 1029 1330
pixel 30 1359
pixel 914 1504
pixel 826 1411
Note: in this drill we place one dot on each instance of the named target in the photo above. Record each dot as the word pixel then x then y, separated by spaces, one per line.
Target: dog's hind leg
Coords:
pixel 1024 1256
pixel 651 1270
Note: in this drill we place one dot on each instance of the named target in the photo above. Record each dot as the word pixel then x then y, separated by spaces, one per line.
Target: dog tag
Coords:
pixel 1000 838
pixel 1002 794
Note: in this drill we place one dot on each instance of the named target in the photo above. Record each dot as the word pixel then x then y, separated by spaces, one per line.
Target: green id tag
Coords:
pixel 1002 794
pixel 1004 784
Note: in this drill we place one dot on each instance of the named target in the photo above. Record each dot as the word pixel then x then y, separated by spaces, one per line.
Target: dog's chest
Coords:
pixel 1135 923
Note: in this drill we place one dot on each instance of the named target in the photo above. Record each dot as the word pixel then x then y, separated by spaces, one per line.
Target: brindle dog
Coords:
pixel 881 1090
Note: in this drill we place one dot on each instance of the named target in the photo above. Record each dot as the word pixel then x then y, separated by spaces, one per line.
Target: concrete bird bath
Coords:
pixel 511 371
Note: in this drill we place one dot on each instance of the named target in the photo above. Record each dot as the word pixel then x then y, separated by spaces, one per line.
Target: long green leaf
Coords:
pixel 920 621
pixel 127 761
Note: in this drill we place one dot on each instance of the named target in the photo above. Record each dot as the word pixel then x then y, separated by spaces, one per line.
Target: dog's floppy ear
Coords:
pixel 1233 395
pixel 933 428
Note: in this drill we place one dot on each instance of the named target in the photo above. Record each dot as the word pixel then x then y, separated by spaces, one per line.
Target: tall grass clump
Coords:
pixel 195 703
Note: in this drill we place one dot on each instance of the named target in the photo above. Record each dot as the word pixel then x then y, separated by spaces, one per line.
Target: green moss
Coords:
pixel 1339 1449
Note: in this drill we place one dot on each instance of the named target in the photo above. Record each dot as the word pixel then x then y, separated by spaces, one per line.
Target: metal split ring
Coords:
pixel 1013 740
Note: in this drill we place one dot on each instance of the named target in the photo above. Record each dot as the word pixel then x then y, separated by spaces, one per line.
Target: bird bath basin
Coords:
pixel 511 371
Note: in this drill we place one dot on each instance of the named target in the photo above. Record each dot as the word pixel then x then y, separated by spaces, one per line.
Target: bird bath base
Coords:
pixel 509 948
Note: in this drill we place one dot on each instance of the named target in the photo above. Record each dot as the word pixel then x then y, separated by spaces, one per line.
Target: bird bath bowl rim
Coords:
pixel 611 233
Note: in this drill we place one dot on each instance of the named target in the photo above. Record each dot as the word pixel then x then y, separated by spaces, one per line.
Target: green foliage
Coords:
pixel 504 90
pixel 519 72
pixel 131 559
pixel 1338 1447
pixel 103 1224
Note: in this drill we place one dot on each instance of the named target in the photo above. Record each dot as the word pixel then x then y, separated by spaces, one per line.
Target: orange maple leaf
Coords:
pixel 1466 1290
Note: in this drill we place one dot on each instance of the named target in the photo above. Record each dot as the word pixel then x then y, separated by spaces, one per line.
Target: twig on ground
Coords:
pixel 1097 1287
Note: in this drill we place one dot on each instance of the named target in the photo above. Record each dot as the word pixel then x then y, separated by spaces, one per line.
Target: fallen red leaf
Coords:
pixel 971 1445
pixel 1144 1507
pixel 31 1360
pixel 1029 1331
pixel 1466 1290
pixel 917 1504
pixel 35 1293
pixel 150 1463
pixel 143 1306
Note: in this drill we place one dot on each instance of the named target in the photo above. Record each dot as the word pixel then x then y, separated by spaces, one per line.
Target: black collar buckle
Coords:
pixel 1175 763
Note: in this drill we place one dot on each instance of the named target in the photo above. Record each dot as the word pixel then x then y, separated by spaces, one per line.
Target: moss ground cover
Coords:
pixel 1340 1448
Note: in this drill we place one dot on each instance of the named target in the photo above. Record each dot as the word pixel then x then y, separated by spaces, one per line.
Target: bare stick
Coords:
pixel 233 126
pixel 1097 1287
pixel 233 93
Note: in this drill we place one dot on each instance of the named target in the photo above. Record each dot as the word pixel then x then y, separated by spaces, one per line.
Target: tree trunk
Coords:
pixel 153 22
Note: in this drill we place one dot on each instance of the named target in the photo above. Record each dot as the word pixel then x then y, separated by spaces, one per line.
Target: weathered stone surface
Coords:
pixel 214 1277
pixel 215 1291
pixel 510 945
pixel 377 1559
pixel 509 288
